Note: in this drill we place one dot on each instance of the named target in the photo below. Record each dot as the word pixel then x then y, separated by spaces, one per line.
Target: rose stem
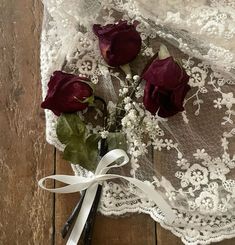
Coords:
pixel 68 224
pixel 89 227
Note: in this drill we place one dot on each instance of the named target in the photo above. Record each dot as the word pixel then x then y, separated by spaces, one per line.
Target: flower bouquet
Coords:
pixel 101 135
pixel 116 79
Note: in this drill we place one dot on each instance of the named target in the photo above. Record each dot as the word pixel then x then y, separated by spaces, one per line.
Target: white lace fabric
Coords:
pixel 196 147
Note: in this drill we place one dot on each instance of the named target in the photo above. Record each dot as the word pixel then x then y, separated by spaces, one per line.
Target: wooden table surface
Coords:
pixel 29 215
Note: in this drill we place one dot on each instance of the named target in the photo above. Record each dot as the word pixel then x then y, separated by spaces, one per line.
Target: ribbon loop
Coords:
pixel 75 183
pixel 90 184
pixel 111 157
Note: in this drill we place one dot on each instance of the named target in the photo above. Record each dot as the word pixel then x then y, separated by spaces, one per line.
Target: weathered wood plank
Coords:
pixel 64 203
pixel 26 211
pixel 166 237
pixel 226 242
pixel 138 229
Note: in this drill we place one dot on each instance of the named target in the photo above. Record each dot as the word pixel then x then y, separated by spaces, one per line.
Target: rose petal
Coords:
pixel 124 48
pixel 165 73
pixel 119 43
pixel 66 93
pixel 151 99
pixel 109 29
pixel 166 87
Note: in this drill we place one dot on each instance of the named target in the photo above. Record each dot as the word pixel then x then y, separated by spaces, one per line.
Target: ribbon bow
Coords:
pixel 90 184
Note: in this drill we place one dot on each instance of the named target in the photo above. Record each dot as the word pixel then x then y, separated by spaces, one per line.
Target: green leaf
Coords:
pixel 116 141
pixel 74 152
pixel 83 151
pixel 68 126
pixel 79 148
pixel 92 148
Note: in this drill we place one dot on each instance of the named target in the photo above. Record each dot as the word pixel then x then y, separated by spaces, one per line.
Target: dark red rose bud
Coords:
pixel 166 87
pixel 67 93
pixel 119 43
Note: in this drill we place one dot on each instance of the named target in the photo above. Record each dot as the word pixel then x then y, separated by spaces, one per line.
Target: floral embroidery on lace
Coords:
pixel 200 181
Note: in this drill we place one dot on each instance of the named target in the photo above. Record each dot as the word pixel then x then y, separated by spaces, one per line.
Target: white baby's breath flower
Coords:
pixel 104 134
pixel 127 100
pixel 139 92
pixel 127 107
pixel 128 76
pixel 123 91
pixel 136 78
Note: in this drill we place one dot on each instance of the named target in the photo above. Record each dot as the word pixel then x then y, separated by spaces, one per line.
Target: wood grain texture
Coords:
pixel 29 215
pixel 26 211
pixel 138 229
pixel 165 237
pixel 64 203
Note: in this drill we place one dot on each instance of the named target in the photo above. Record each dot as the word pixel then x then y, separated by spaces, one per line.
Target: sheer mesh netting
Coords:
pixel 189 157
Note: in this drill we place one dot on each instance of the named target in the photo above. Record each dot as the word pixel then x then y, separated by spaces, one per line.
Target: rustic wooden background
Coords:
pixel 29 215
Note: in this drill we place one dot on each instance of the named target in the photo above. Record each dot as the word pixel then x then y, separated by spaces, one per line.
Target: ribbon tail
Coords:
pixel 83 215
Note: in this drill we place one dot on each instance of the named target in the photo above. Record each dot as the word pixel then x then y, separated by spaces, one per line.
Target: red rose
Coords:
pixel 67 93
pixel 166 87
pixel 119 43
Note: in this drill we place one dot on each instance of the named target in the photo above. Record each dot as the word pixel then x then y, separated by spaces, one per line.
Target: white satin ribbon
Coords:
pixel 90 184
